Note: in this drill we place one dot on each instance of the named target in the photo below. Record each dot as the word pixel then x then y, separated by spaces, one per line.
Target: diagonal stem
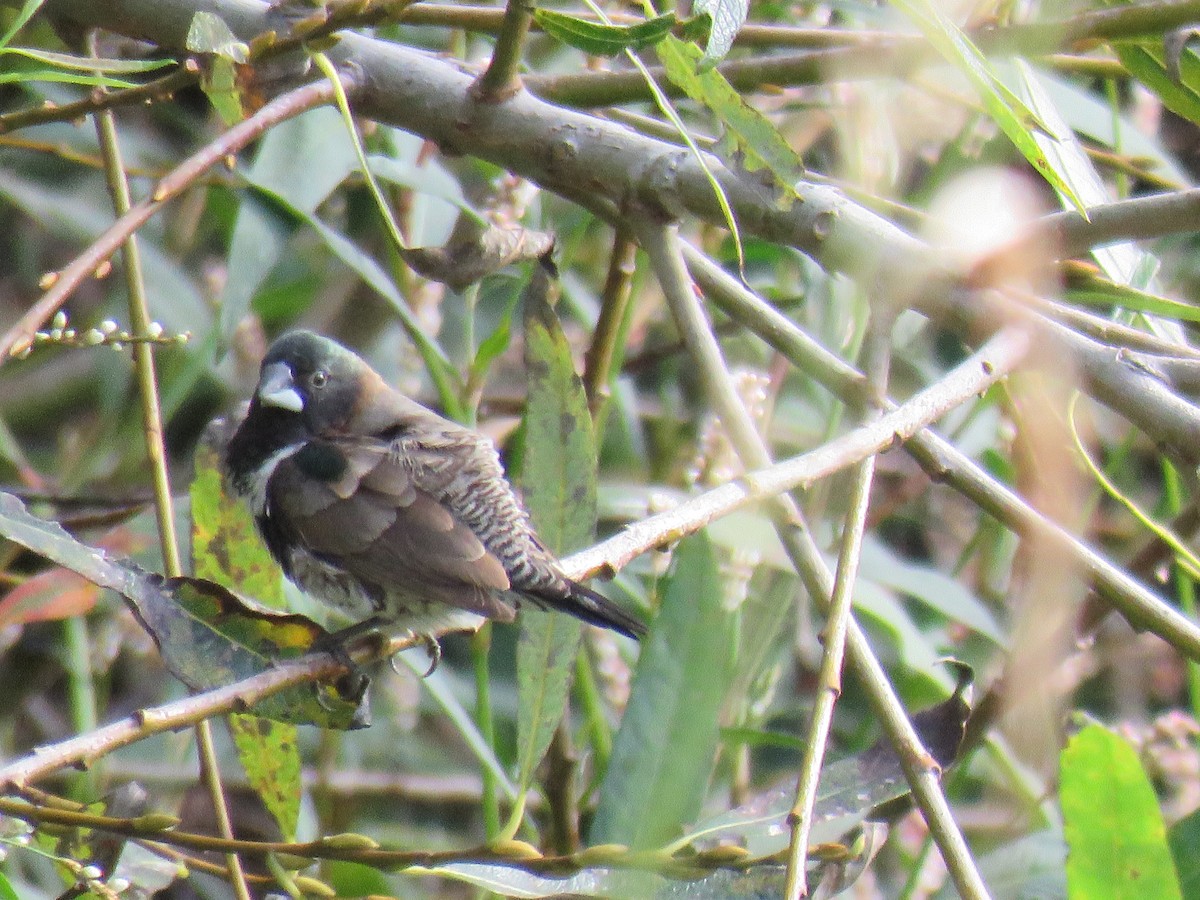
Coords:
pixel 143 358
pixel 662 244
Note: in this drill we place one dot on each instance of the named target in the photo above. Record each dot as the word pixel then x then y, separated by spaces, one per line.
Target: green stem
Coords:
pixel 503 76
pixel 607 345
pixel 143 358
pixel 481 645
pixel 595 720
pixel 1185 585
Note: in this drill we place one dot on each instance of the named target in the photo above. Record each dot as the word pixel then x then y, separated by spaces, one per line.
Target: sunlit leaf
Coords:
pixel 1006 110
pixel 1115 834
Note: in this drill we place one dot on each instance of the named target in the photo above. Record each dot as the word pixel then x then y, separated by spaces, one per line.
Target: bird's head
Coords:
pixel 313 378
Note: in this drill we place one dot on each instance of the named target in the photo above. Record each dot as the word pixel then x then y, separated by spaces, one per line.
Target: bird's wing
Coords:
pixel 368 514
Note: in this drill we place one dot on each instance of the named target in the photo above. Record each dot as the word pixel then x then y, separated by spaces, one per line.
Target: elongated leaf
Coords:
pixel 28 8
pixel 663 754
pixel 1115 834
pixel 600 39
pixel 750 142
pixel 849 789
pixel 1108 295
pixel 88 63
pixel 1006 110
pixel 558 477
pixel 613 883
pixel 1146 61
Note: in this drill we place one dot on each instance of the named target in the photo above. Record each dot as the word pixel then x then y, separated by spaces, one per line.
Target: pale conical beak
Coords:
pixel 276 388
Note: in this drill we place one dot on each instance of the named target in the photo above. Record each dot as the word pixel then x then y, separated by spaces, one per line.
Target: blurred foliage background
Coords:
pixel 964 137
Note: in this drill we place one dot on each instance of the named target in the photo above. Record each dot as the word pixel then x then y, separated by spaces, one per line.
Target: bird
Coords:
pixel 381 508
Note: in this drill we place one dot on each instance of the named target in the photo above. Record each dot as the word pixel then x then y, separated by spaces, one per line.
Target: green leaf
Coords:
pixel 88 63
pixel 271 759
pixel 208 33
pixel 59 77
pixel 1106 294
pixel 663 754
pixel 1070 161
pixel 226 549
pixel 1005 109
pixel 220 85
pixel 750 142
pixel 599 39
pixel 728 17
pixel 1184 838
pixel 6 889
pixel 1146 61
pixel 1114 828
pixel 28 8
pixel 558 477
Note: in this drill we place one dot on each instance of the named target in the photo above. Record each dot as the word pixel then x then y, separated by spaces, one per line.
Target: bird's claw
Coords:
pixel 432 647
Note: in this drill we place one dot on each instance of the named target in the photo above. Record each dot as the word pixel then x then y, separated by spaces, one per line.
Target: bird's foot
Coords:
pixel 351 685
pixel 432 647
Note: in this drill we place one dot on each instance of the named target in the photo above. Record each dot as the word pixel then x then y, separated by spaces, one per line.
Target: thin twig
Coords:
pixel 502 78
pixel 665 250
pixel 143 359
pixel 82 749
pixel 98 99
pixel 829 683
pixel 945 463
pixel 20 335
pixel 606 345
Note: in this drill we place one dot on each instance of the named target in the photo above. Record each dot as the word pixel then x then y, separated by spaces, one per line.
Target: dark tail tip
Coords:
pixel 596 609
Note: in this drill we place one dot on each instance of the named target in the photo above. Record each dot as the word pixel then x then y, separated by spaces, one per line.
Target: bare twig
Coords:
pixel 665 250
pixel 20 335
pixel 946 463
pixel 98 99
pixel 143 359
pixel 834 636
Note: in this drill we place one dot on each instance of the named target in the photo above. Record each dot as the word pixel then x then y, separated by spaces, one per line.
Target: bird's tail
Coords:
pixel 596 609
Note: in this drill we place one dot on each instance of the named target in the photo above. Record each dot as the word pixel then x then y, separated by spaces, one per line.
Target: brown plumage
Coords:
pixel 378 506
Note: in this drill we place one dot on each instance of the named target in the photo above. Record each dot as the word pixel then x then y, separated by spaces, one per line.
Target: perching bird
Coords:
pixel 381 508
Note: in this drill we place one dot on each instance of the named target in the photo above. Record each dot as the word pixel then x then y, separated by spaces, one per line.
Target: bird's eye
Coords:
pixel 319 378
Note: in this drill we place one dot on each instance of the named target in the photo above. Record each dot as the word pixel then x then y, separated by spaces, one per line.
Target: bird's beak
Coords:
pixel 276 388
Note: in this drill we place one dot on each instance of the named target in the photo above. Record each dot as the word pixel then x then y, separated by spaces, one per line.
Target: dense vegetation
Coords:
pixel 850 337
